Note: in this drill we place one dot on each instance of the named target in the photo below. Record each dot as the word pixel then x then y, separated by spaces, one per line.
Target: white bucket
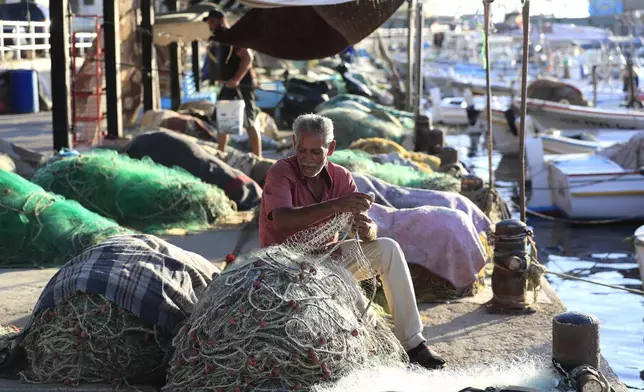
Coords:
pixel 230 117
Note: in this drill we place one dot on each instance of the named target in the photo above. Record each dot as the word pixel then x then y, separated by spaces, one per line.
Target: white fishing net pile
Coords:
pixel 524 372
pixel 288 318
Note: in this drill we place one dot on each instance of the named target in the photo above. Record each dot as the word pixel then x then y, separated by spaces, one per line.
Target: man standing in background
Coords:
pixel 235 67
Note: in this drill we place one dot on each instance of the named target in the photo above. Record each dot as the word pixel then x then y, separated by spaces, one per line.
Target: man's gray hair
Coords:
pixel 313 123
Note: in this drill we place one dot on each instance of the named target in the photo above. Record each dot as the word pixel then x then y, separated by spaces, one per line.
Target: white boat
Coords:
pixel 639 251
pixel 583 186
pixel 548 114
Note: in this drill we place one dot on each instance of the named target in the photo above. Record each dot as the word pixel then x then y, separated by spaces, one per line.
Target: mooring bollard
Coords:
pixel 449 155
pixel 575 340
pixel 509 282
pixel 436 141
pixel 471 183
pixel 575 348
pixel 421 130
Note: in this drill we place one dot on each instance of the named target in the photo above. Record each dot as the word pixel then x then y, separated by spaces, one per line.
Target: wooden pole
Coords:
pixel 175 82
pixel 411 4
pixel 112 40
pixel 196 74
pixel 60 74
pixel 420 21
pixel 488 94
pixel 524 96
pixel 147 53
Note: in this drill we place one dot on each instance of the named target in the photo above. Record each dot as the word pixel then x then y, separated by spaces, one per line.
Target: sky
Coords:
pixel 556 8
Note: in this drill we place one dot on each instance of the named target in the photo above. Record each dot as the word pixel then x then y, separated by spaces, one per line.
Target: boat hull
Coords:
pixel 561 116
pixel 618 195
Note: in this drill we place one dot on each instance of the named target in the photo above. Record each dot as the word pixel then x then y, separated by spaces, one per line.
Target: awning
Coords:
pixel 286 29
pixel 308 31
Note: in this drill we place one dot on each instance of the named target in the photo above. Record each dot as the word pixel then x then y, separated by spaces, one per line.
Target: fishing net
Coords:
pixel 136 193
pixel 351 124
pixel 89 338
pixel 405 118
pixel 39 228
pixel 360 162
pixel 532 373
pixel 288 318
pixel 375 145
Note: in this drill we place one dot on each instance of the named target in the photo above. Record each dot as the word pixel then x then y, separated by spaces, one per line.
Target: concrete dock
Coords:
pixel 461 330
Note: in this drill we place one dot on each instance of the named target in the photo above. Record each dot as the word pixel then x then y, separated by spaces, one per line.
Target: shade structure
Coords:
pixel 307 32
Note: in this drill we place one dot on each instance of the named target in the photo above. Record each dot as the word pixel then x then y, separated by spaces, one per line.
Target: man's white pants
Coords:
pixel 388 261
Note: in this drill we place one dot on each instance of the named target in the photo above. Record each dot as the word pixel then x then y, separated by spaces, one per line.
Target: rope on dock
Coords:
pixel 612 286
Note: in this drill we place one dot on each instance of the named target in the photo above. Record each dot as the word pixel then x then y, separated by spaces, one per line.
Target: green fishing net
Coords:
pixel 352 124
pixel 344 100
pixel 39 228
pixel 139 194
pixel 360 162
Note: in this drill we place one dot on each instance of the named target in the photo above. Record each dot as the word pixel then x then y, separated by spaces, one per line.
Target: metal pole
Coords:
pixel 175 85
pixel 524 96
pixel 112 39
pixel 195 64
pixel 594 75
pixel 410 54
pixel 420 21
pixel 488 93
pixel 147 48
pixel 60 74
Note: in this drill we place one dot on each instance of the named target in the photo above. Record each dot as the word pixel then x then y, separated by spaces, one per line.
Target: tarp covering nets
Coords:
pixel 40 228
pixel 289 317
pixel 136 193
pixel 629 155
pixel 406 119
pixel 361 162
pixel 351 124
pixel 109 315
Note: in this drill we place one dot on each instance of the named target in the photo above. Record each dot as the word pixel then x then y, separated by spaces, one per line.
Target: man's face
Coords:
pixel 214 24
pixel 312 153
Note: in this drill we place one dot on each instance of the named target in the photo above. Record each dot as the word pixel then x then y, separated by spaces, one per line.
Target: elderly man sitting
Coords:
pixel 305 189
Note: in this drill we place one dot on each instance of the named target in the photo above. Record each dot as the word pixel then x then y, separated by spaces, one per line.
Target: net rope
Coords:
pixel 89 338
pixel 139 194
pixel 289 317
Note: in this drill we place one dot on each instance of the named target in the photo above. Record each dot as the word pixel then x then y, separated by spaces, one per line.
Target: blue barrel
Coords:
pixel 24 91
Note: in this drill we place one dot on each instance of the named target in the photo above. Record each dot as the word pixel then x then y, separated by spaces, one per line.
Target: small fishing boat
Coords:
pixel 548 114
pixel 583 186
pixel 639 250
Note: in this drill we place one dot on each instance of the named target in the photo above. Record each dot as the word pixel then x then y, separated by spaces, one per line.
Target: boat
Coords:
pixel 583 186
pixel 548 114
pixel 639 250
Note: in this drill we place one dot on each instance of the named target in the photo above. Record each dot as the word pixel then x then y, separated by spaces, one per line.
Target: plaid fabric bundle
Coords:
pixel 157 281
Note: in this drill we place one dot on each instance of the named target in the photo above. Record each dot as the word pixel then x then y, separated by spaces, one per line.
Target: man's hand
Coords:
pixel 232 83
pixel 365 227
pixel 355 203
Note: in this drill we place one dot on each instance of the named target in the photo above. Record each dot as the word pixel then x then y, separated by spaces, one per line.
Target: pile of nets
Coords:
pixel 360 162
pixel 39 228
pixel 374 145
pixel 530 372
pixel 351 124
pixel 288 318
pixel 136 193
pixel 92 339
pixel 407 119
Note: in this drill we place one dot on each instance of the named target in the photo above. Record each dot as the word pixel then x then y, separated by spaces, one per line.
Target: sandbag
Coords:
pixel 170 149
